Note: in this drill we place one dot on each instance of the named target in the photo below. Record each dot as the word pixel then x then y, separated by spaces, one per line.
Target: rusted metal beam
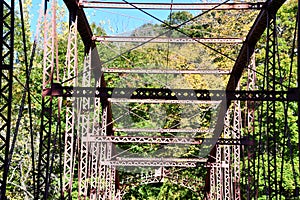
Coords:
pixel 155 162
pixel 172 94
pixel 83 26
pixel 165 71
pixel 143 139
pixel 150 163
pixel 158 101
pixel 169 6
pixel 251 40
pixel 163 130
pixel 163 140
pixel 162 159
pixel 166 40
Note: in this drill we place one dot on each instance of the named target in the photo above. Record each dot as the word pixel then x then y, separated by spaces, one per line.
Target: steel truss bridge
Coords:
pixel 241 150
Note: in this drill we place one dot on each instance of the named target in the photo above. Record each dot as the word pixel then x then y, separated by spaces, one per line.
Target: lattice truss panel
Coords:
pixel 225 171
pixel 6 77
pixel 103 137
pixel 50 116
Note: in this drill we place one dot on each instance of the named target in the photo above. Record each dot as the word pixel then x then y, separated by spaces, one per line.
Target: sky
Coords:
pixel 115 21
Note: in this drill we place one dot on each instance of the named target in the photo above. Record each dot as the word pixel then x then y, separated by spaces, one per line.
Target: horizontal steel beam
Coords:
pixel 161 140
pixel 157 101
pixel 166 40
pixel 163 159
pixel 171 94
pixel 171 6
pixel 140 139
pixel 155 162
pixel 149 164
pixel 165 71
pixel 163 130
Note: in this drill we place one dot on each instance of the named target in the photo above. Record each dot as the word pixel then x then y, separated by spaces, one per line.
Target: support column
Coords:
pixel 84 128
pixel 251 150
pixel 236 152
pixel 227 158
pixel 95 148
pixel 211 195
pixel 6 79
pixel 219 174
pixel 70 79
pixel 46 133
pixel 270 112
pixel 106 154
pixel 103 150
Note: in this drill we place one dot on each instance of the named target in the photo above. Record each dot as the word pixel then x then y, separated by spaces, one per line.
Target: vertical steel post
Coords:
pixel 250 183
pixel 227 158
pixel 219 174
pixel 103 152
pixel 70 79
pixel 49 64
pixel 95 147
pixel 211 195
pixel 236 135
pixel 270 131
pixel 6 75
pixel 84 128
pixel 94 194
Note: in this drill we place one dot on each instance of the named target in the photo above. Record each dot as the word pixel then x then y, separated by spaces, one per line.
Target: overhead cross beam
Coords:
pixel 164 140
pixel 172 94
pixel 165 71
pixel 163 130
pixel 167 40
pixel 155 162
pixel 169 6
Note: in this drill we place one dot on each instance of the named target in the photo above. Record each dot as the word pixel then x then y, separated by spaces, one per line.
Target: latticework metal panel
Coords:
pixel 167 40
pixel 70 134
pixel 219 175
pixel 151 163
pixel 6 74
pixel 47 132
pixel 250 173
pixel 227 158
pixel 165 71
pixel 270 130
pixel 236 152
pixel 141 139
pixel 95 150
pixel 85 128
